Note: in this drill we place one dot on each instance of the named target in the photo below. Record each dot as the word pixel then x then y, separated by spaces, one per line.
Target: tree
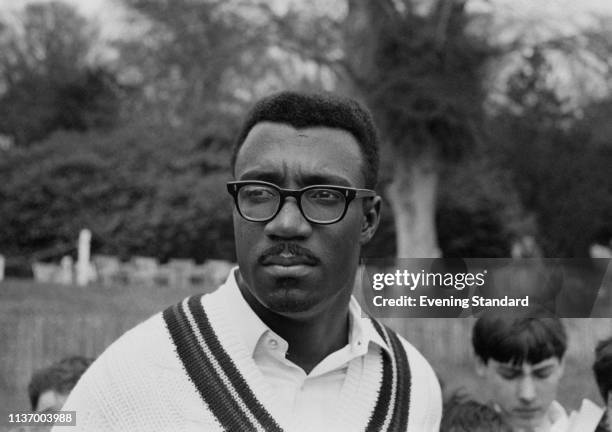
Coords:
pixel 47 80
pixel 422 75
pixel 201 60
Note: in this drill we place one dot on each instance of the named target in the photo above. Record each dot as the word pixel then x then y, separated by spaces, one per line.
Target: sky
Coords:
pixel 107 13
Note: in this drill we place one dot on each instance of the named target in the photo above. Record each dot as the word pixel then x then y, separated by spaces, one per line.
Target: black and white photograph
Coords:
pixel 306 216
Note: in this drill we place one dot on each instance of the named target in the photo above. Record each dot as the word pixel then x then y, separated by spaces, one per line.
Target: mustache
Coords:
pixel 292 248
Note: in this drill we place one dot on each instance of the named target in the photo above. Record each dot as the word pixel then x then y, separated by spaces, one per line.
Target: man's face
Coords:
pixel 314 266
pixel 523 392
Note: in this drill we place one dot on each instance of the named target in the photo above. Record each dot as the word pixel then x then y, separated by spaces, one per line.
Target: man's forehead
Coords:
pixel 273 149
pixel 272 132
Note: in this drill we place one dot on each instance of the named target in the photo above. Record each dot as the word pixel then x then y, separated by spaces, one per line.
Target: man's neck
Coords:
pixel 310 342
pixel 310 339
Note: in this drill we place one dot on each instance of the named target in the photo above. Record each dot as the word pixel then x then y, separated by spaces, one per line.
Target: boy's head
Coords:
pixel 464 415
pixel 602 368
pixel 49 387
pixel 521 362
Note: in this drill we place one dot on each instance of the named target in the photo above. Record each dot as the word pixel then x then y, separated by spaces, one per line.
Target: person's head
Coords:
pixel 49 387
pixel 602 368
pixel 298 256
pixel 462 414
pixel 521 362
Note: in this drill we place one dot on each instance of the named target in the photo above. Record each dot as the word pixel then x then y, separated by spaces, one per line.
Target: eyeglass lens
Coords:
pixel 260 202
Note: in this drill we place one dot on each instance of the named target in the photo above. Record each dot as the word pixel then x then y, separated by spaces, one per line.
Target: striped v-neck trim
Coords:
pixel 226 393
pixel 392 407
pixel 213 372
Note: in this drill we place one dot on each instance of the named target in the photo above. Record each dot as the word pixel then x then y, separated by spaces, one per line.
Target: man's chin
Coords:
pixel 291 301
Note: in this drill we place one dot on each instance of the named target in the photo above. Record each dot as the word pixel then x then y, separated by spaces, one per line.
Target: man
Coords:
pixel 49 387
pixel 590 417
pixel 520 360
pixel 282 344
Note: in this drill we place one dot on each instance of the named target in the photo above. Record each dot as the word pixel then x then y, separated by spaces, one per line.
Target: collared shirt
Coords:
pixel 303 394
pixel 557 418
pixel 588 418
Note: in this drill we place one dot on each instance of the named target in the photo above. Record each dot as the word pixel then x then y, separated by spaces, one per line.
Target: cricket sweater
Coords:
pixel 188 369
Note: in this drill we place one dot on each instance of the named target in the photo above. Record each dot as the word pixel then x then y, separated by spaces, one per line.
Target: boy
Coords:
pixel 521 360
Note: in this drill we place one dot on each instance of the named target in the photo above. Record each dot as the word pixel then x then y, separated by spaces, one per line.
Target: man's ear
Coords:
pixel 371 219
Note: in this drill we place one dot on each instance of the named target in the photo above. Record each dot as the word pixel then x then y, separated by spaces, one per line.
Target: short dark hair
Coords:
pixel 602 368
pixel 518 339
pixel 60 377
pixel 462 414
pixel 302 110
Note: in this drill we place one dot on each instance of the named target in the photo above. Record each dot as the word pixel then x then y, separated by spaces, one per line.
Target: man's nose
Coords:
pixel 527 391
pixel 289 222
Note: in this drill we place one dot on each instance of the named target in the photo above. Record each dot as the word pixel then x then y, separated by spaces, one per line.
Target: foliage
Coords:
pixel 140 189
pixel 560 165
pixel 479 211
pixel 47 81
pixel 200 59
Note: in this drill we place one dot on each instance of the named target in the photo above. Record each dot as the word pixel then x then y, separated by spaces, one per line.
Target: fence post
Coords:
pixel 83 265
pixel 1 267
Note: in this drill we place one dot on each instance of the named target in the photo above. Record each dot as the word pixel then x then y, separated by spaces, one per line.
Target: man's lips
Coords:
pixel 287 260
pixel 288 255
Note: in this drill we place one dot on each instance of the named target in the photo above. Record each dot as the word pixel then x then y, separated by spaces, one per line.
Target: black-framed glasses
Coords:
pixel 260 201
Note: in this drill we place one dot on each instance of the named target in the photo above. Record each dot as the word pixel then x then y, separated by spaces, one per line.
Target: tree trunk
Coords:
pixel 412 196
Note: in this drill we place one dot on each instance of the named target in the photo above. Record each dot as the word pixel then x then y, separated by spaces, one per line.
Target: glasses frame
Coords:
pixel 349 193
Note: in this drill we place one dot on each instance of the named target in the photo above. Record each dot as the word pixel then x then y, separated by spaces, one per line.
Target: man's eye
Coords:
pixel 325 195
pixel 258 194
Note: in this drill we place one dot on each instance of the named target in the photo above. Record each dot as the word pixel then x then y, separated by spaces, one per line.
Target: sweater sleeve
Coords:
pixel 425 393
pixel 93 398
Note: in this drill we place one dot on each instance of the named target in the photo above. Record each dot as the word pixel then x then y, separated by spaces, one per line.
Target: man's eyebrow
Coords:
pixel 263 175
pixel 306 179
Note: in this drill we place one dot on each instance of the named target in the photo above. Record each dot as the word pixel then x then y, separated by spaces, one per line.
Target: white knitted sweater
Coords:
pixel 140 383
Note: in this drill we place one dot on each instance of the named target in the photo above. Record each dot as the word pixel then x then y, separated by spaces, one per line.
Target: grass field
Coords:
pixel 41 323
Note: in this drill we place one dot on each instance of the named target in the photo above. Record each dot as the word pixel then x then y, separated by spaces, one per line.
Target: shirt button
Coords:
pixel 273 344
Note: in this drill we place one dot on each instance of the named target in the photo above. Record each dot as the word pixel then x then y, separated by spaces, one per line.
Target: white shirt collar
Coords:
pixel 557 416
pixel 252 328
